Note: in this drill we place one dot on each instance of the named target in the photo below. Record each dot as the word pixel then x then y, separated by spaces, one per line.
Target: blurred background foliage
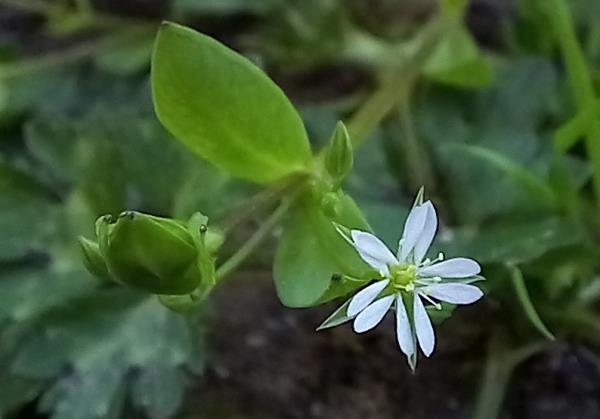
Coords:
pixel 78 138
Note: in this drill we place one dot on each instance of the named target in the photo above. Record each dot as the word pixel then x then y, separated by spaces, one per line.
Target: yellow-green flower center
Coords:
pixel 402 275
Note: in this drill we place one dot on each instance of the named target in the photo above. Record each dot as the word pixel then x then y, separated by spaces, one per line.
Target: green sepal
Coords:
pixel 179 303
pixel 92 259
pixel 330 204
pixel 339 156
pixel 206 241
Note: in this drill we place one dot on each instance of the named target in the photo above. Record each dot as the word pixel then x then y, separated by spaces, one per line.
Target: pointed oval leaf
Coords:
pixel 224 108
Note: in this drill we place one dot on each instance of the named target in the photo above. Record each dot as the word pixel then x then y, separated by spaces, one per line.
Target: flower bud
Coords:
pixel 339 155
pixel 92 259
pixel 155 254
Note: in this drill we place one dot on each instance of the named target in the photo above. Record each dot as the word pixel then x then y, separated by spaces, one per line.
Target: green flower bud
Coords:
pixel 158 255
pixel 339 155
pixel 92 259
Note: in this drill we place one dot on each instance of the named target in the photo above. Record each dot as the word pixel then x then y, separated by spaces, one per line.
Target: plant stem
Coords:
pixel 501 362
pixel 258 201
pixel 231 264
pixel 68 56
pixel 580 80
pixel 32 6
pixel 394 88
pixel 416 159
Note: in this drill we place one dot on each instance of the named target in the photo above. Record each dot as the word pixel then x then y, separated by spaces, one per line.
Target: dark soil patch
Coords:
pixel 269 363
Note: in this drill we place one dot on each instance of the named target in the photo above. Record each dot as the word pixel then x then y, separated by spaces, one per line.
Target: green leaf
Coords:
pixel 526 303
pixel 510 241
pixel 312 250
pixel 159 390
pixel 98 347
pixel 457 61
pixel 27 215
pixel 531 183
pixel 224 108
pixel 129 56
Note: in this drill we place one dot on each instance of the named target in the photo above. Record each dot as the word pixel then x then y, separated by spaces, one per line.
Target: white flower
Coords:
pixel 407 278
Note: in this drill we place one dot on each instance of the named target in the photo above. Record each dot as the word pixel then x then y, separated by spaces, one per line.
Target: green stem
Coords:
pixel 84 7
pixel 33 6
pixel 580 80
pixel 416 159
pixel 394 88
pixel 68 56
pixel 499 368
pixel 259 201
pixel 234 262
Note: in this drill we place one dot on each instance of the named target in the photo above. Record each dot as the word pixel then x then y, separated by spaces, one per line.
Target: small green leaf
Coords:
pixel 312 250
pixel 526 303
pixel 224 108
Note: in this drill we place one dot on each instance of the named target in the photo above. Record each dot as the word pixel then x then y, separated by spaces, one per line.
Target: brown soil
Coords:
pixel 269 363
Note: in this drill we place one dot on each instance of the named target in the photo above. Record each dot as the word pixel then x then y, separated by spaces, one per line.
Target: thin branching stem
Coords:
pixel 395 87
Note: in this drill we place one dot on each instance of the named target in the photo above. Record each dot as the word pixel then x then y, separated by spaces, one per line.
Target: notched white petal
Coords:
pixel 365 297
pixel 403 328
pixel 423 327
pixel 412 231
pixel 372 315
pixel 373 251
pixel 427 234
pixel 452 268
pixel 455 293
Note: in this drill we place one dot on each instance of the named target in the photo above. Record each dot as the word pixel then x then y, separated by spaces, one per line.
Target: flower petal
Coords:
pixel 373 251
pixel 372 315
pixel 423 327
pixel 454 293
pixel 365 297
pixel 427 233
pixel 412 230
pixel 452 268
pixel 403 329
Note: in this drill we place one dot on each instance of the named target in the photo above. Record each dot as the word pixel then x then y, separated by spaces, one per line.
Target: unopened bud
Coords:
pixel 152 253
pixel 339 155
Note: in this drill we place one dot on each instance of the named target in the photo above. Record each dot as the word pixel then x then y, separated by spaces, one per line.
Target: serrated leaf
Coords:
pixel 159 390
pixel 225 109
pixel 102 338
